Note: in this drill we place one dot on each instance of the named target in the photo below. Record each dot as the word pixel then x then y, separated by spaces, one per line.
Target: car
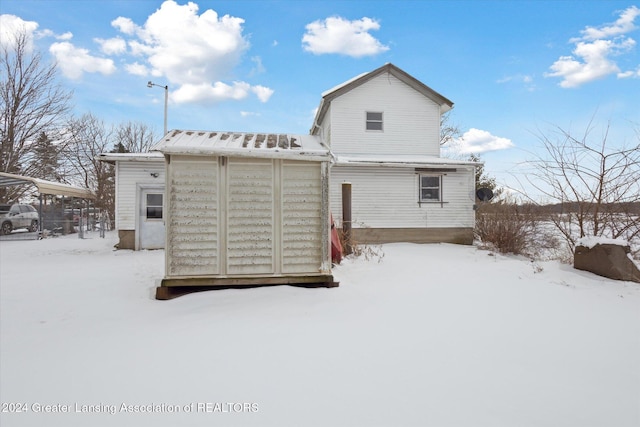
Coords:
pixel 17 216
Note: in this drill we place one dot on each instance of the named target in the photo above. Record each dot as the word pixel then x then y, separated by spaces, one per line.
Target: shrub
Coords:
pixel 504 226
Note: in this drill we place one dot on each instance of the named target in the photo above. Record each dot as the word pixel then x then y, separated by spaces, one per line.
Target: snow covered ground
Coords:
pixel 434 335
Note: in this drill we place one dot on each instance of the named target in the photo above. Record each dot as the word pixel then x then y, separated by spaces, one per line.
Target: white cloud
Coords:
pixel 191 48
pixel 124 25
pixel 595 64
pixel 263 93
pixel 137 69
pixel 249 114
pixel 630 74
pixel 476 141
pixel 112 46
pixel 623 25
pixel 48 33
pixel 525 80
pixel 592 57
pixel 10 25
pixel 74 61
pixel 258 68
pixel 338 35
pixel 191 51
pixel 206 93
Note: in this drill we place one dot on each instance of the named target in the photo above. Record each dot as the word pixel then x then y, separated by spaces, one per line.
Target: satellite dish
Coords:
pixel 484 194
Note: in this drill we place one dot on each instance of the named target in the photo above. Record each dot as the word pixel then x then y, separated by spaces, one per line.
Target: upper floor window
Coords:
pixel 430 188
pixel 374 121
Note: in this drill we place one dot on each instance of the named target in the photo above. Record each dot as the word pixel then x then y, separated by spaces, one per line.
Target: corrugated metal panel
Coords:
pixel 388 198
pixel 301 218
pixel 193 218
pixel 130 174
pixel 250 217
pixel 411 121
pixel 242 144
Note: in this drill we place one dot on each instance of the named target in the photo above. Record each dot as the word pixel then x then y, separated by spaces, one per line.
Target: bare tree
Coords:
pixel 448 130
pixel 135 137
pixel 595 187
pixel 85 138
pixel 31 103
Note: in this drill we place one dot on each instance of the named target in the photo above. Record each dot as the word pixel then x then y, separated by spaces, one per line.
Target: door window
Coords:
pixel 154 206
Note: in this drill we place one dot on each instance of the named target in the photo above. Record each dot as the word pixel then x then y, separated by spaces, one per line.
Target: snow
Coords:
pixel 591 241
pixel 433 335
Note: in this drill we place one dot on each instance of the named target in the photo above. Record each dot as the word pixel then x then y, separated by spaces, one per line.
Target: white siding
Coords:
pixel 302 226
pixel 193 218
pixel 129 176
pixel 411 121
pixel 388 198
pixel 250 223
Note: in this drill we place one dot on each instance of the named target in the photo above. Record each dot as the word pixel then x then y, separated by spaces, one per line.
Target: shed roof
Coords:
pixel 401 75
pixel 243 144
pixel 45 187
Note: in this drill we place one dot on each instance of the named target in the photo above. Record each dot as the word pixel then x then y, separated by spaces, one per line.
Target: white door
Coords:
pixel 151 223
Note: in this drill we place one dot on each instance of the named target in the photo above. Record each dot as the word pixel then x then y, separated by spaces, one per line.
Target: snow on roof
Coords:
pixel 333 89
pixel 591 241
pixel 244 144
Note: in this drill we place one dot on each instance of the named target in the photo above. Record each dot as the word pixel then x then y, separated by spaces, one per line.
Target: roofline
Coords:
pixel 50 187
pixel 445 103
pixel 152 156
pixel 417 162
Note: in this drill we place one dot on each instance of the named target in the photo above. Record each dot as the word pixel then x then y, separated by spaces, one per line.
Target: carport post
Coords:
pixel 346 218
pixel 80 219
pixel 40 214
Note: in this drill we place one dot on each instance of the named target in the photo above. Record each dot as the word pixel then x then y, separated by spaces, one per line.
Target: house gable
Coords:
pixel 404 115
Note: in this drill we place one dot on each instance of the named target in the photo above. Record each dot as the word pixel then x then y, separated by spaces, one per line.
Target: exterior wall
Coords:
pixel 129 174
pixel 193 228
pixel 127 239
pixel 245 217
pixel 376 236
pixel 387 198
pixel 302 219
pixel 411 121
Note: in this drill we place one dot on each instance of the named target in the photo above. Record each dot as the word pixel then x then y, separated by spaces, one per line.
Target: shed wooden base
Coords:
pixel 172 288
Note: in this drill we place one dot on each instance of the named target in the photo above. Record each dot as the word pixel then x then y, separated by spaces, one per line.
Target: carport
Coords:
pixel 44 188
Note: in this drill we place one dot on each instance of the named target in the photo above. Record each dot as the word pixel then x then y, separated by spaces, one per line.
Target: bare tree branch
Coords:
pixel 31 103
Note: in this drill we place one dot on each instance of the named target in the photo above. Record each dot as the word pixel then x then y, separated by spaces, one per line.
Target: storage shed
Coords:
pixel 245 209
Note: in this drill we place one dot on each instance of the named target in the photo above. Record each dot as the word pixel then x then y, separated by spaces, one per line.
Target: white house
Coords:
pixel 140 180
pixel 245 209
pixel 383 129
pixel 383 132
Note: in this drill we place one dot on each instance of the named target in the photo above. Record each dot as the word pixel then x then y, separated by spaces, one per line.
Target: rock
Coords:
pixel 608 260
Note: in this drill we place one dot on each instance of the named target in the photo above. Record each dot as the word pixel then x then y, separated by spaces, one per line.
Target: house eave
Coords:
pixel 399 162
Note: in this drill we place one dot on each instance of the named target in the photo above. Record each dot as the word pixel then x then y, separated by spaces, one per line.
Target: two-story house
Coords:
pixel 383 129
pixel 383 132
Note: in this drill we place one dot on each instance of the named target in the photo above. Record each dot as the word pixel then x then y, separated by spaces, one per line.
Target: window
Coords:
pixel 374 121
pixel 154 206
pixel 430 186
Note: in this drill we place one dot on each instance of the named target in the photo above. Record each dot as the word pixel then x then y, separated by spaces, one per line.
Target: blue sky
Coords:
pixel 513 69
